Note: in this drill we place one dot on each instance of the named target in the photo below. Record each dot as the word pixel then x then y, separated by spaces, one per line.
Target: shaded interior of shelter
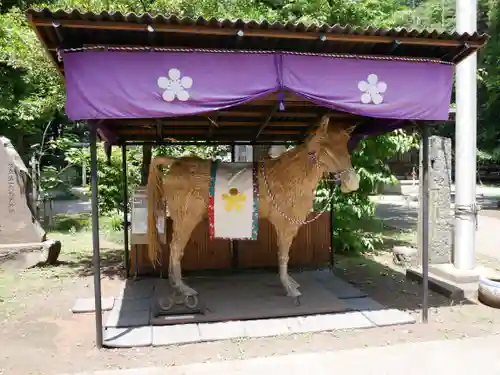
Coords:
pixel 257 121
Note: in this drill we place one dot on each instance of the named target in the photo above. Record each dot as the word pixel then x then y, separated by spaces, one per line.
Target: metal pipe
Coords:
pixel 425 223
pixel 464 256
pixel 96 259
pixel 125 211
pixel 332 221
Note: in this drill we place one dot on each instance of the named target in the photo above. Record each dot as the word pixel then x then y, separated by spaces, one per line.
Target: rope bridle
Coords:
pixel 316 164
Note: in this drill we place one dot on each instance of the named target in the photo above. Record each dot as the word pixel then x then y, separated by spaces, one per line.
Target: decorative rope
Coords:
pixel 209 50
pixel 463 211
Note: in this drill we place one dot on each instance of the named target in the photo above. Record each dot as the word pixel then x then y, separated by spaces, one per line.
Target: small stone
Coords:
pixel 403 255
pixel 404 250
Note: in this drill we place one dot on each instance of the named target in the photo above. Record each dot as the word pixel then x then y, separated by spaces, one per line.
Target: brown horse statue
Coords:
pixel 286 184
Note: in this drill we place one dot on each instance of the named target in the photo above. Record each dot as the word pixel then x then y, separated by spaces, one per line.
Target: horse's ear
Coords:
pixel 350 129
pixel 313 141
pixel 324 122
pixel 343 127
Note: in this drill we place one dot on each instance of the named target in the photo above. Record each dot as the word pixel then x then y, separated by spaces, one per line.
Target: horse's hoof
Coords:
pixel 166 303
pixel 191 301
pixel 296 301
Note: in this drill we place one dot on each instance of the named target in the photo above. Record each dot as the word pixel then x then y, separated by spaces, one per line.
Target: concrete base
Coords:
pixel 448 272
pixel 445 287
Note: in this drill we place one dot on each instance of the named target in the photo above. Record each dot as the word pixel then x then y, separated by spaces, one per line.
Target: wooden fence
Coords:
pixel 311 248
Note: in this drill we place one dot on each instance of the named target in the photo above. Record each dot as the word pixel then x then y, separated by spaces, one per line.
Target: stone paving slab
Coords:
pixel 188 333
pixel 221 331
pixel 341 288
pixel 133 310
pixel 128 337
pixel 128 318
pixel 330 322
pixel 133 303
pixel 138 289
pixel 267 327
pixel 176 334
pixel 87 305
pixel 389 317
pixel 364 304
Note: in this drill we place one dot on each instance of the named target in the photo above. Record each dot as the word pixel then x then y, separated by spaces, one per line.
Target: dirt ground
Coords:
pixel 41 336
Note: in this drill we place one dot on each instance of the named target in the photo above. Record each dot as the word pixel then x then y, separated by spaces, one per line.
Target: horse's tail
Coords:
pixel 156 206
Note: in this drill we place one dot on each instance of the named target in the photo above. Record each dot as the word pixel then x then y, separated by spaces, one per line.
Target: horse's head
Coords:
pixel 328 145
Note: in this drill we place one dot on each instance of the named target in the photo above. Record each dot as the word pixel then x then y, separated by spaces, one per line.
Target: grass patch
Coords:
pixel 397 237
pixel 65 223
pixel 74 232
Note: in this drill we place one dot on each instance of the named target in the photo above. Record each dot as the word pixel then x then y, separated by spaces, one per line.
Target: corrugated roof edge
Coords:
pixel 253 24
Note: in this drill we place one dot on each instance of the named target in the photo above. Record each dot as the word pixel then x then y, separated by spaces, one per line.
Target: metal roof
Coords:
pixel 256 121
pixel 73 29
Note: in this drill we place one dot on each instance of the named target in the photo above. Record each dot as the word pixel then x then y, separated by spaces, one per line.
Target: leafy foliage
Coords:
pixel 355 229
pixel 32 94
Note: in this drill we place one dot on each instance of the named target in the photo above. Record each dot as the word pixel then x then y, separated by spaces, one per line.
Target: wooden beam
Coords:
pixel 199 125
pixel 201 132
pixel 251 124
pixel 267 120
pixel 258 114
pixel 33 25
pixel 212 124
pixel 282 34
pixel 224 139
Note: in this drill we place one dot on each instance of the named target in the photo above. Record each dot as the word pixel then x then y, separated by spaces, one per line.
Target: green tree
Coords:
pixel 34 93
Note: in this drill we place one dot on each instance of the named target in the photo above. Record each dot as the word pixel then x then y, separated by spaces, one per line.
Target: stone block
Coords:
pixel 87 305
pixel 444 287
pixel 330 322
pixel 221 330
pixel 128 318
pixel 128 337
pixel 404 255
pixel 176 334
pixel 266 327
pixel 388 317
pixel 448 271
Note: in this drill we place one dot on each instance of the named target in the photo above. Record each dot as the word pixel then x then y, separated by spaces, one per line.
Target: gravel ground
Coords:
pixel 41 336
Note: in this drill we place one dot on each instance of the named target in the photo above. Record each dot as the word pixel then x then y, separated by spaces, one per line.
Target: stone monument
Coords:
pixel 440 212
pixel 443 277
pixel 17 224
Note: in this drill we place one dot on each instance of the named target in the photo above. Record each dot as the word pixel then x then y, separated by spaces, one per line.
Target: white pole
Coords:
pixel 465 144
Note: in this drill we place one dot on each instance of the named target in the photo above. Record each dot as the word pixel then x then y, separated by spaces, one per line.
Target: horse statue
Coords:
pixel 284 189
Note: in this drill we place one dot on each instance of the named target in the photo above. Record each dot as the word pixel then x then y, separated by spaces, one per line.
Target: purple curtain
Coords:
pixel 107 85
pixel 374 88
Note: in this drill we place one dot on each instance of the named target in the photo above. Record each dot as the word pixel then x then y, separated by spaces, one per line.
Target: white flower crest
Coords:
pixel 372 90
pixel 175 86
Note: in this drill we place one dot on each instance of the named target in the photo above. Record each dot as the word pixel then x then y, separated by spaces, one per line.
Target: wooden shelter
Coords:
pixel 277 117
pixel 256 121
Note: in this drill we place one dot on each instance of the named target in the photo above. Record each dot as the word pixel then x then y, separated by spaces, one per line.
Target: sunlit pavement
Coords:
pixel 457 357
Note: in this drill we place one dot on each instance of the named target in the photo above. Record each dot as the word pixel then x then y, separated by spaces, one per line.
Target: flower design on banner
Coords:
pixel 175 86
pixel 234 200
pixel 372 90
